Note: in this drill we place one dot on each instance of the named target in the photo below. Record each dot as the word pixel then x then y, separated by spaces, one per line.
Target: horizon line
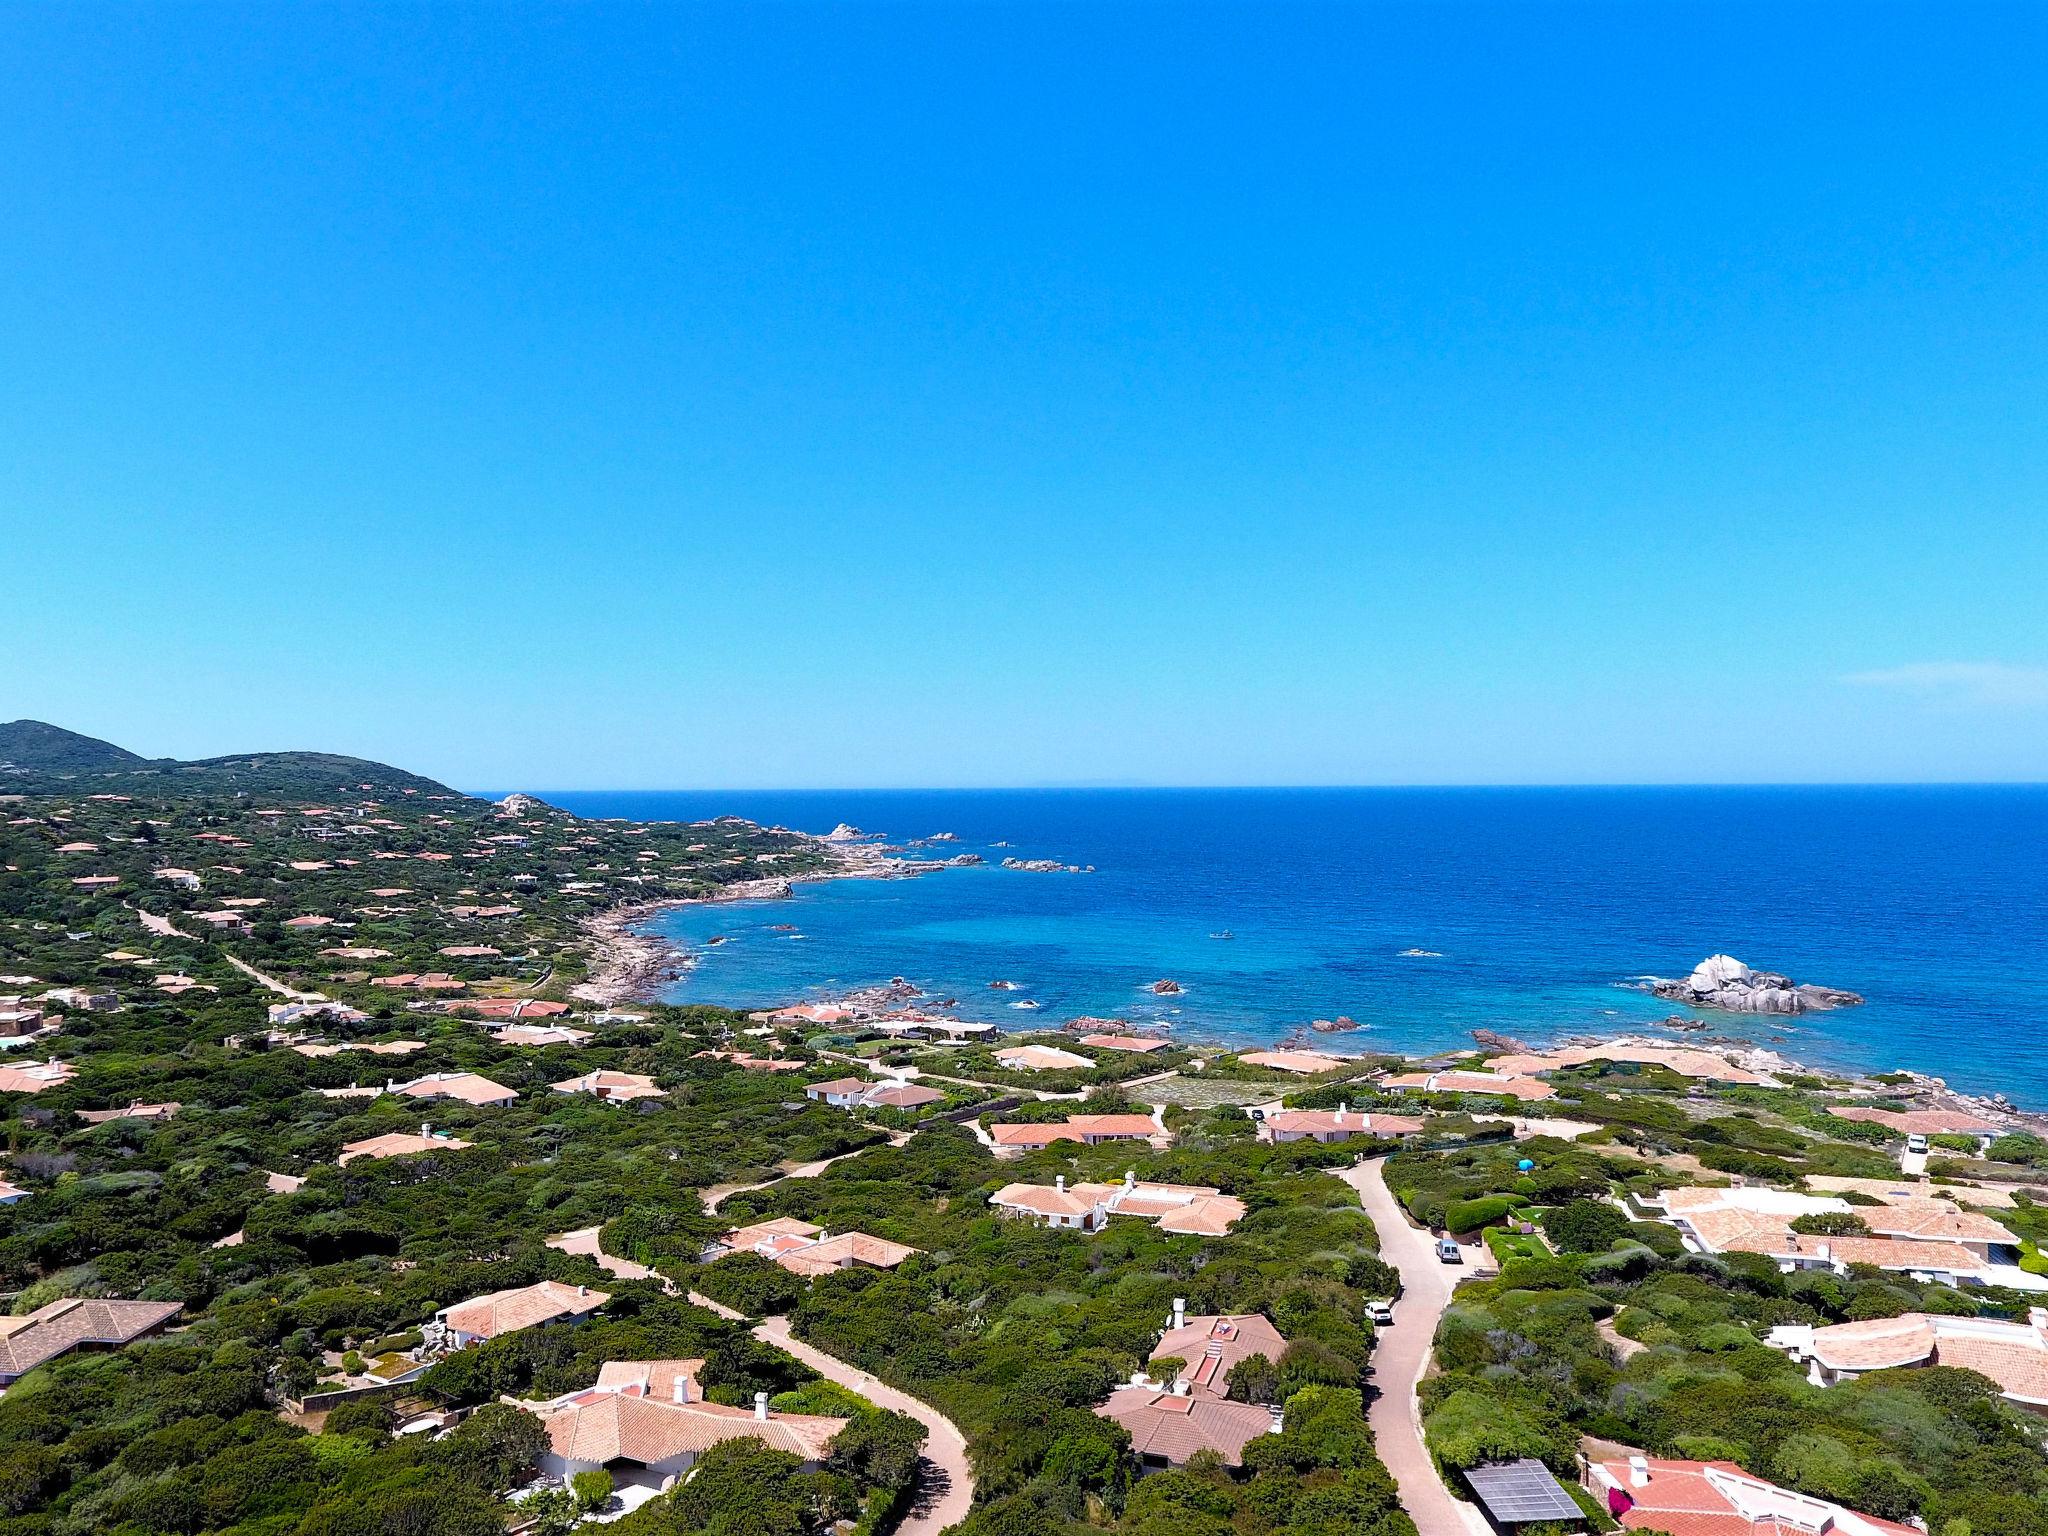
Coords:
pixel 1124 787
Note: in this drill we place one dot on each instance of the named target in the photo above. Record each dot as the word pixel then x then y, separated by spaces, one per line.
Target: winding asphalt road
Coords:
pixel 1402 1354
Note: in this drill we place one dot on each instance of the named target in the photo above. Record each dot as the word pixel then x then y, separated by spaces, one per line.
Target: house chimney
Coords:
pixel 680 1390
pixel 1180 1311
pixel 761 1406
pixel 1060 1183
pixel 426 1130
pixel 1825 1255
pixel 1639 1471
pixel 1180 1388
pixel 582 1290
pixel 1279 1422
pixel 1130 1178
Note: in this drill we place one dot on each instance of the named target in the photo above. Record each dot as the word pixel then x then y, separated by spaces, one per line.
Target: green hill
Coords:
pixel 52 749
pixel 37 758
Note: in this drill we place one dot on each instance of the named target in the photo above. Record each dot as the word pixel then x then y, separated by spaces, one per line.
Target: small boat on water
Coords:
pixel 1225 934
pixel 1028 1002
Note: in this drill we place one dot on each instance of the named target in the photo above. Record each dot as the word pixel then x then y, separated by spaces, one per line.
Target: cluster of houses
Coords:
pixel 860 1093
pixel 1910 1232
pixel 1013 1139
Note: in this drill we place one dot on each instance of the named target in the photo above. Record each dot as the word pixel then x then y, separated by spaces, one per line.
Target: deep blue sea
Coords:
pixel 1539 905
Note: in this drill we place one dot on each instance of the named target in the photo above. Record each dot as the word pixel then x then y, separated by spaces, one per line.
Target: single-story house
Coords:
pixel 1185 1208
pixel 2015 1355
pixel 467 1087
pixel 900 1096
pixel 135 1111
pixel 1089 1130
pixel 1707 1498
pixel 539 1035
pixel 35 1076
pixel 1140 1044
pixel 1168 1426
pixel 1326 1125
pixel 1302 1063
pixel 646 1422
pixel 1041 1058
pixel 1526 1089
pixel 840 1092
pixel 71 1323
pixel 802 1248
pixel 1926 1122
pixel 402 1144
pixel 612 1087
pixel 498 1313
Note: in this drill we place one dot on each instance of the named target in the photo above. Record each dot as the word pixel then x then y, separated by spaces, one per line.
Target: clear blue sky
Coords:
pixel 979 394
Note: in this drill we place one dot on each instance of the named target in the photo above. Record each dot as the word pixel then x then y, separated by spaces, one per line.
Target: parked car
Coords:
pixel 1381 1312
pixel 1448 1252
pixel 1916 1143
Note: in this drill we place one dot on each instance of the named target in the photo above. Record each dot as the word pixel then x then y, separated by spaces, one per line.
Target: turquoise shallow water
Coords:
pixel 1540 903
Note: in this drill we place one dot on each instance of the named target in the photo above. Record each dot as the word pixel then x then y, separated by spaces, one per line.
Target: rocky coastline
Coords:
pixel 1723 982
pixel 626 963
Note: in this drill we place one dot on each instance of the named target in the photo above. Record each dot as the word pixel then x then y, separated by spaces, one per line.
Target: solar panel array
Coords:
pixel 1516 1492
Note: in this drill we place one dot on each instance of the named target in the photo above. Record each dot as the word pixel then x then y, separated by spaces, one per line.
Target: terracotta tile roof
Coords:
pixel 2019 1365
pixel 1041 1058
pixel 751 1238
pixel 539 1035
pixel 1324 1122
pixel 526 1306
pixel 465 1086
pixel 1524 1088
pixel 1305 1062
pixel 653 1378
pixel 399 1144
pixel 1174 1428
pixel 135 1111
pixel 1875 1345
pixel 604 1426
pixel 1075 1128
pixel 1041 1200
pixel 1211 1347
pixel 35 1076
pixel 49 1331
pixel 843 1251
pixel 1921 1122
pixel 611 1085
pixel 1206 1216
pixel 1717 1498
pixel 1730 1230
pixel 1935 1219
pixel 901 1096
pixel 1140 1043
pixel 836 1085
pixel 2015 1355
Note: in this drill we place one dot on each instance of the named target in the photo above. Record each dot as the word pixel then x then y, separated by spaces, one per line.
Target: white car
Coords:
pixel 1381 1312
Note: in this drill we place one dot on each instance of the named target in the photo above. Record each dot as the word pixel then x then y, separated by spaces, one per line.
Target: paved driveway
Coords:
pixel 1402 1355
pixel 946 1482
